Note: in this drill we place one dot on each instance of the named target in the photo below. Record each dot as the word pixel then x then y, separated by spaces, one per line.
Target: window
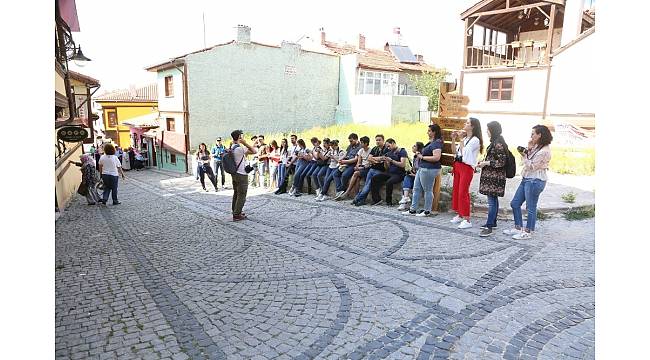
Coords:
pixel 171 124
pixel 112 119
pixel 169 86
pixel 172 158
pixel 500 89
pixel 377 83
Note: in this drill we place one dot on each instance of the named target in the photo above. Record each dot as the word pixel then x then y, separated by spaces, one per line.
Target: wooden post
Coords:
pixel 436 191
pixel 465 44
pixel 549 37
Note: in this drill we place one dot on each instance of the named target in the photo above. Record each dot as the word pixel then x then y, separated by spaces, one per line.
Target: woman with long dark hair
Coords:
pixel 409 179
pixel 284 160
pixel 467 151
pixel 203 157
pixel 535 158
pixel 428 169
pixel 273 154
pixel 302 155
pixel 493 175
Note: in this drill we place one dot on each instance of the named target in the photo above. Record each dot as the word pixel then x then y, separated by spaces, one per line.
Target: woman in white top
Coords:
pixel 467 152
pixel 110 168
pixel 361 168
pixel 335 154
pixel 535 158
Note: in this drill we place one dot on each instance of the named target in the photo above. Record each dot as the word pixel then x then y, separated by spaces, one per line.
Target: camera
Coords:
pixel 248 168
pixel 458 158
pixel 522 149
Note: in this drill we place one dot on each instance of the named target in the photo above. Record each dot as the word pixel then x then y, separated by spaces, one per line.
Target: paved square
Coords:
pixel 167 274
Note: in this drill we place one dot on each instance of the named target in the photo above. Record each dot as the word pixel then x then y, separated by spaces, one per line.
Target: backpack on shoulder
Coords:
pixel 228 161
pixel 511 164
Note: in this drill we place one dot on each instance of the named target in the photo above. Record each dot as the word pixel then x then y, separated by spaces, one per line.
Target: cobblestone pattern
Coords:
pixel 167 274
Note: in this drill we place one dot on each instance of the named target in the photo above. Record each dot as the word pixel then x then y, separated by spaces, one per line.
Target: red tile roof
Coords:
pixel 83 78
pixel 148 93
pixel 376 59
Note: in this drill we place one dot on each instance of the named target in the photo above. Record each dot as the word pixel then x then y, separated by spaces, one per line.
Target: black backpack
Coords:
pixel 511 165
pixel 228 161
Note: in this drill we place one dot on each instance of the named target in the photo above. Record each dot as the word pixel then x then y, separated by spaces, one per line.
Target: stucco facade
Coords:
pixel 259 88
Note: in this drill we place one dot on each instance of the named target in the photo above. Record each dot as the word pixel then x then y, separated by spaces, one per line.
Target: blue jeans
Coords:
pixel 342 178
pixel 298 176
pixel 309 173
pixel 319 175
pixel 493 209
pixel 329 176
pixel 110 187
pixel 282 173
pixel 408 182
pixel 363 194
pixel 424 179
pixel 529 190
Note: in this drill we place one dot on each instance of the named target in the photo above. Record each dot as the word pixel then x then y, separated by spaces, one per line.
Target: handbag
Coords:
pixel 83 189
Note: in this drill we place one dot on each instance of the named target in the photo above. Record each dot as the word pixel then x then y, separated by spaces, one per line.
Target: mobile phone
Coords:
pixel 521 148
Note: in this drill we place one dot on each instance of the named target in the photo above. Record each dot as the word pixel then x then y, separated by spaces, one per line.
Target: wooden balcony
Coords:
pixel 517 54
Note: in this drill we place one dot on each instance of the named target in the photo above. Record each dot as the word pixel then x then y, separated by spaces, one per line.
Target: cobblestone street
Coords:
pixel 167 274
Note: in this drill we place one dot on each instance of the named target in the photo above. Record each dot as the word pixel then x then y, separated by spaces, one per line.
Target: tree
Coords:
pixel 428 84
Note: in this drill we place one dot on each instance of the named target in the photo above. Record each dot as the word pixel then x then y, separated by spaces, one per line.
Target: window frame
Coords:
pixel 172 158
pixel 173 122
pixel 363 81
pixel 501 79
pixel 108 119
pixel 169 86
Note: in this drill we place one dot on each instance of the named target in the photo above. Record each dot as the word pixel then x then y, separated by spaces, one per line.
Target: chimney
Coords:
pixel 322 36
pixel 362 42
pixel 419 58
pixel 243 34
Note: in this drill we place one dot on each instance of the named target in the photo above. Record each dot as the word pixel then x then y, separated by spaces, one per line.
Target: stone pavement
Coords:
pixel 167 274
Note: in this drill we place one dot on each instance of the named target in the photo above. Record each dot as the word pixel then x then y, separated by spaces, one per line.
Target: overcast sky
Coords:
pixel 122 37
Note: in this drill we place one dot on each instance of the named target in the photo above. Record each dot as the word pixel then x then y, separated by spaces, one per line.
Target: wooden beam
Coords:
pixel 465 44
pixel 489 26
pixel 477 19
pixel 549 36
pixel 512 9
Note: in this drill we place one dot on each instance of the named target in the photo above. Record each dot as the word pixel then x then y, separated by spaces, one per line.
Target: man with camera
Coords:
pixel 240 180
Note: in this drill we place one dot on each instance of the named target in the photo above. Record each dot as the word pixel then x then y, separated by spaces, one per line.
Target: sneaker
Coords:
pixel 318 192
pixel 379 202
pixel 116 202
pixel 465 225
pixel 485 226
pixel 485 232
pixel 409 212
pixel 523 235
pixel 324 198
pixel 403 207
pixel 358 203
pixel 456 219
pixel 239 217
pixel 511 232
pixel 292 191
pixel 92 203
pixel 405 200
pixel 296 194
pixel 339 195
pixel 423 213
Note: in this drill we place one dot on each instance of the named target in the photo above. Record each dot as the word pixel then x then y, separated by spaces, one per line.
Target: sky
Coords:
pixel 122 37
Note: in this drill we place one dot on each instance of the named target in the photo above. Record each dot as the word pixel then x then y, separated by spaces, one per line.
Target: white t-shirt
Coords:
pixel 364 156
pixel 338 155
pixel 109 164
pixel 240 154
pixel 470 151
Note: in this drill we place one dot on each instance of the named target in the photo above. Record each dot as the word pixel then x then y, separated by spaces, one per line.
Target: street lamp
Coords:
pixel 78 57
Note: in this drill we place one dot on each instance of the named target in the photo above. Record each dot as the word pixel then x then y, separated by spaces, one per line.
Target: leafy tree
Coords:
pixel 428 84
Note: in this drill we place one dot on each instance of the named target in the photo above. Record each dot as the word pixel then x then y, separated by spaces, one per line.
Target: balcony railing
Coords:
pixel 516 54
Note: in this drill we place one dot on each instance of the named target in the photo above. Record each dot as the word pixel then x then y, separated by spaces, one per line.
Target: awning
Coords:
pixel 143 121
pixel 150 133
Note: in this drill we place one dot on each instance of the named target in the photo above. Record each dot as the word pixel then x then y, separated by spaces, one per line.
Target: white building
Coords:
pixel 529 64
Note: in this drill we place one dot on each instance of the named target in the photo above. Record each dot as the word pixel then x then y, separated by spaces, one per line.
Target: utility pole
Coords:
pixel 204 43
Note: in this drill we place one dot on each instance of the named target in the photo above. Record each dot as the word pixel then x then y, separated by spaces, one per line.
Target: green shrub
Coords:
pixel 580 213
pixel 569 197
pixel 573 161
pixel 542 216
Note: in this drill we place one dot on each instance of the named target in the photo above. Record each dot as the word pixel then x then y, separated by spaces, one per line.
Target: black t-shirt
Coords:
pixel 397 156
pixel 377 152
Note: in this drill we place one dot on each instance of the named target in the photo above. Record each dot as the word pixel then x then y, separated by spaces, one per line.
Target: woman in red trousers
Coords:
pixel 467 151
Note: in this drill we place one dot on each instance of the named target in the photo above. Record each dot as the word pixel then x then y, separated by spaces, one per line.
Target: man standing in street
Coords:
pixel 253 161
pixel 217 151
pixel 240 179
pixel 262 161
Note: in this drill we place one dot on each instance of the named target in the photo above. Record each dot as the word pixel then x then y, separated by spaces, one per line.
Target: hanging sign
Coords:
pixel 72 134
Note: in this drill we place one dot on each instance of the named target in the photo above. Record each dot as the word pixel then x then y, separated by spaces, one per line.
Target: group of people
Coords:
pixel 129 158
pixel 110 168
pixel 292 164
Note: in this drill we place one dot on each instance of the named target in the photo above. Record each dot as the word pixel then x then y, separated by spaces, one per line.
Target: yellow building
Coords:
pixel 122 105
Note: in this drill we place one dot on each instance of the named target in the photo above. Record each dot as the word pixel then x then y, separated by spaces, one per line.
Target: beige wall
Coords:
pixel 527 96
pixel 542 35
pixel 67 178
pixel 59 83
